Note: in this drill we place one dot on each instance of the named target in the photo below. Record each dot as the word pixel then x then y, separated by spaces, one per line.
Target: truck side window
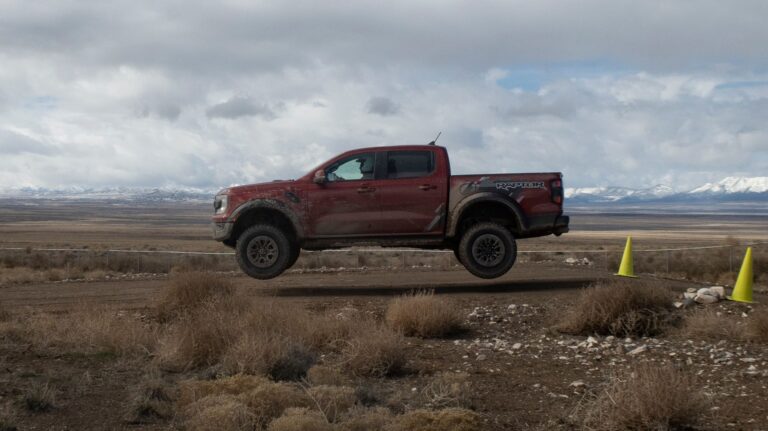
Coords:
pixel 357 167
pixel 410 164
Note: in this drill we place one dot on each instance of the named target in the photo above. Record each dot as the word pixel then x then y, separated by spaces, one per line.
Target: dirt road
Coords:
pixel 141 292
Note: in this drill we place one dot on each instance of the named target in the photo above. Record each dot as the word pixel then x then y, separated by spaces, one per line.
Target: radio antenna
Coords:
pixel 435 140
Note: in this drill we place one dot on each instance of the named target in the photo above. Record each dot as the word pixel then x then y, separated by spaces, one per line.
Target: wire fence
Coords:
pixel 712 263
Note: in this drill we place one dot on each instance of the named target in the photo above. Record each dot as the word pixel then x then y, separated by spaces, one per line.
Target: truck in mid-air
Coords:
pixel 394 196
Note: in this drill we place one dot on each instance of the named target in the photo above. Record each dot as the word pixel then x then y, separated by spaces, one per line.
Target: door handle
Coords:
pixel 426 187
pixel 365 189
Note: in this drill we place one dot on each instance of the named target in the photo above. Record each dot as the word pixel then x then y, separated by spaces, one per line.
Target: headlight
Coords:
pixel 220 204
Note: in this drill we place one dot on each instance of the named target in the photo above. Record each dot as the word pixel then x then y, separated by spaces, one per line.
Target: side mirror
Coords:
pixel 319 177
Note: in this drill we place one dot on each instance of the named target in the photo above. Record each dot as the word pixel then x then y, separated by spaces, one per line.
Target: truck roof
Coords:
pixel 399 147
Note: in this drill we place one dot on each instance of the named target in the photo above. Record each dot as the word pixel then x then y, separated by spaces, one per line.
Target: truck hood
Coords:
pixel 259 188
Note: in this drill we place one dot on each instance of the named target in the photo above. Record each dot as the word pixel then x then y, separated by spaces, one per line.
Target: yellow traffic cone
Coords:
pixel 627 268
pixel 742 292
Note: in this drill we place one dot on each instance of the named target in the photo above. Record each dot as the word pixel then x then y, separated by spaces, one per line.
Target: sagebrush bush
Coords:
pixel 333 401
pixel 193 390
pixel 376 351
pixel 270 400
pixel 424 315
pixel 648 397
pixel 621 308
pixel 188 290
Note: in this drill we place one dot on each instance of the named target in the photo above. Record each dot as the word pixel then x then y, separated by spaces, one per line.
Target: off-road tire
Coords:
pixel 487 250
pixel 264 251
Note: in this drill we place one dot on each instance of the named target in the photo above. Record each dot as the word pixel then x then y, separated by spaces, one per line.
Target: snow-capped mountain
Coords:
pixel 616 194
pixel 734 185
pixel 729 189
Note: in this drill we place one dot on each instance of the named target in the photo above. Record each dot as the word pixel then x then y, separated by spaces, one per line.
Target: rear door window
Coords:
pixel 410 164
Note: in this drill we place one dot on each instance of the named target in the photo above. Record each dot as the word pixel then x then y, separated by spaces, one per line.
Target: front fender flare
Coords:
pixel 272 204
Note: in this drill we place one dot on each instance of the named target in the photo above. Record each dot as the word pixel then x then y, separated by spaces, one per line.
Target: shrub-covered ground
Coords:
pixel 207 355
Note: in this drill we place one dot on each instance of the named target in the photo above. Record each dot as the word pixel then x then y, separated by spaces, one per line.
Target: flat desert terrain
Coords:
pixel 374 339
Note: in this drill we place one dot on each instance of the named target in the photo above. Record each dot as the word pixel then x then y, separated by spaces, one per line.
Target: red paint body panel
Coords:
pixel 428 206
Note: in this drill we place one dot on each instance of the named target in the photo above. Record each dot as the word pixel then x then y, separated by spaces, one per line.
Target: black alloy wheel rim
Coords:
pixel 488 250
pixel 262 251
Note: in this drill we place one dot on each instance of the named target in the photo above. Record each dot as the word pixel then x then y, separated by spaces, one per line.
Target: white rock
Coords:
pixel 577 384
pixel 689 295
pixel 691 290
pixel 718 291
pixel 591 340
pixel 677 304
pixel 705 299
pixel 517 346
pixel 704 291
pixel 638 350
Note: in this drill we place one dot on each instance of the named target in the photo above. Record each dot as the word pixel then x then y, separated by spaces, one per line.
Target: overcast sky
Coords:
pixel 208 94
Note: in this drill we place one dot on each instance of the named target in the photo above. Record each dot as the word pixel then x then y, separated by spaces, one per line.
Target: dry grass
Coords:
pixel 453 419
pixel 375 351
pixel 193 390
pixel 188 290
pixel 40 397
pixel 707 324
pixel 300 419
pixel 269 401
pixel 218 413
pixel 325 375
pixel 757 325
pixel 447 389
pixel 263 399
pixel 621 308
pixel 332 401
pixel 150 401
pixel 650 397
pixel 424 315
pixel 366 419
pixel 89 331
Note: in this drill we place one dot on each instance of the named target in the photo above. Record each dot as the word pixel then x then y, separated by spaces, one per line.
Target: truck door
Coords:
pixel 413 194
pixel 348 203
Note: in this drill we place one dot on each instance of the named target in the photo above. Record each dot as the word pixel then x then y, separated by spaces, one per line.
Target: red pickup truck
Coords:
pixel 396 196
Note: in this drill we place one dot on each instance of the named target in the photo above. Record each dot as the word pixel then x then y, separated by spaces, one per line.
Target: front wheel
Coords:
pixel 264 251
pixel 487 250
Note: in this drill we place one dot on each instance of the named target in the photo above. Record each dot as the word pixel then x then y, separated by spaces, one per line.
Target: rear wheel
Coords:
pixel 487 250
pixel 264 251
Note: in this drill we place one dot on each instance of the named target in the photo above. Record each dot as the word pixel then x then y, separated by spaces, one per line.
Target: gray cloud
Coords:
pixel 16 143
pixel 382 106
pixel 611 92
pixel 237 107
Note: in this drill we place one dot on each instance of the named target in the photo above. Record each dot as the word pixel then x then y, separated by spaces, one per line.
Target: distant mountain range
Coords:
pixel 731 189
pixel 132 194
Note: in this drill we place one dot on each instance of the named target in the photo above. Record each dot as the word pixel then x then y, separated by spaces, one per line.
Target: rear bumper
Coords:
pixel 561 225
pixel 222 231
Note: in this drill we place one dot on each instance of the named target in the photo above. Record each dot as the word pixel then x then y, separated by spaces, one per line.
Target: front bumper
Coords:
pixel 561 225
pixel 222 231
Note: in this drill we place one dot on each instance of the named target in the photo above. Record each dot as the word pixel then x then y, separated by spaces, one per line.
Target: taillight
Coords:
pixel 556 187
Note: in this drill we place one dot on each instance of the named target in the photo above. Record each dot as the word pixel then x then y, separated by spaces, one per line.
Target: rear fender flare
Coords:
pixel 456 215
